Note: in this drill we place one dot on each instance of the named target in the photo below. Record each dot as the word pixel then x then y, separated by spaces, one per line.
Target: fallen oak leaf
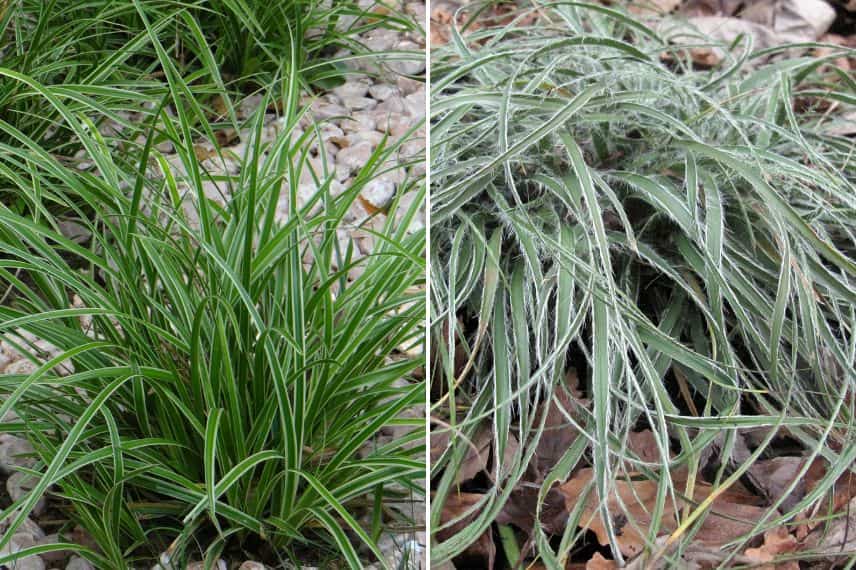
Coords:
pixel 522 505
pixel 844 489
pixel 478 453
pixel 644 445
pixel 730 517
pixel 203 153
pixel 506 462
pixel 846 62
pixel 777 541
pixel 439 442
pixel 460 505
pixel 836 538
pixel 843 492
pixel 227 137
pixel 559 433
pixel 703 57
pixel 710 7
pixel 653 7
pixel 631 502
pixel 219 106
pixel 439 387
pixel 692 556
pixel 774 476
pixel 478 450
pixel 598 562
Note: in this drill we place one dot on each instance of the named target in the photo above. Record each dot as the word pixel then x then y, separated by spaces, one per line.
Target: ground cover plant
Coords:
pixel 642 298
pixel 102 56
pixel 203 376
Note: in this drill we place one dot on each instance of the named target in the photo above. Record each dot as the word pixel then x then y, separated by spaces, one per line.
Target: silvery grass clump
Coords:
pixel 230 383
pixel 683 238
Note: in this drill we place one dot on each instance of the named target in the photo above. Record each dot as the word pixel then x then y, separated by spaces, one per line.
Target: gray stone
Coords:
pixel 21 366
pixel 360 121
pixel 392 105
pixel 389 122
pixel 415 104
pixel 27 563
pixel 56 555
pixel 379 192
pixel 359 103
pixel 408 85
pixel 330 131
pixel 28 527
pixel 323 111
pixel 380 39
pixel 251 565
pixel 355 157
pixel 19 484
pixel 416 10
pixel 352 88
pixel 383 91
pixel 372 137
pixel 408 66
pixel 78 563
pixel 74 231
pixel 14 452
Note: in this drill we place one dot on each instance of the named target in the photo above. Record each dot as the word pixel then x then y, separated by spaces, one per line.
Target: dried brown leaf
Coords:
pixel 774 476
pixel 439 443
pixel 711 7
pixel 844 489
pixel 598 562
pixel 702 57
pixel 457 505
pixel 644 445
pixel 559 433
pixel 219 106
pixel 777 541
pixel 653 7
pixel 836 537
pixel 733 512
pixel 844 63
pixel 202 152
pixel 522 505
pixel 439 383
pixel 478 454
pixel 227 137
pixel 507 460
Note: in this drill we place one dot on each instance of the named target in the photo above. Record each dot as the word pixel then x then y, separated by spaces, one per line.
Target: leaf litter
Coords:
pixel 632 501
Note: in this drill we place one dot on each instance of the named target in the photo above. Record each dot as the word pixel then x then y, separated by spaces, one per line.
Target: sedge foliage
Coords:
pixel 226 374
pixel 229 373
pixel 101 56
pixel 244 41
pixel 683 238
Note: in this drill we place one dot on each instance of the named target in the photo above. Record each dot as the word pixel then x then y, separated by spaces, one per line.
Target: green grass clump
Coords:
pixel 230 383
pixel 101 57
pixel 684 238
pixel 246 42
